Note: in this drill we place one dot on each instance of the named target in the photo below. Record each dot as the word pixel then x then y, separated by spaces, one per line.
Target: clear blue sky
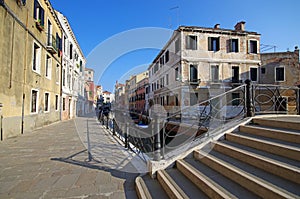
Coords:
pixel 96 21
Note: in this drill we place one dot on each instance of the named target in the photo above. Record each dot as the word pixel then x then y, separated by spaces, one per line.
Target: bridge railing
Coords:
pixel 166 136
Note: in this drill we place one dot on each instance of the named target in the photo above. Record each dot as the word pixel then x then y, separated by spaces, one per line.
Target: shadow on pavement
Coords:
pixel 108 155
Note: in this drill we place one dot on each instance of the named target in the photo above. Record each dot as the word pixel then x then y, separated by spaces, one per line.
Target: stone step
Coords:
pixel 247 180
pixel 141 189
pixel 270 147
pixel 295 125
pixel 169 185
pixel 271 133
pixel 154 188
pixel 189 188
pixel 269 165
pixel 202 182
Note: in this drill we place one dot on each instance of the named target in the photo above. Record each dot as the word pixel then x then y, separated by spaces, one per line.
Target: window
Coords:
pixel 47 102
pixel 38 13
pixel 214 73
pixel 193 73
pixel 156 67
pixel 191 42
pixel 65 42
pixel 167 79
pixel 213 44
pixel 176 74
pixel 58 44
pixel 253 46
pixel 162 61
pixel 263 70
pixel 56 102
pixel 80 64
pixel 253 74
pixel 235 74
pixel 235 99
pixel 176 100
pixel 177 45
pixel 64 77
pixel 36 62
pixel 167 56
pixel 48 66
pixel 64 104
pixel 34 101
pixel 279 74
pixel 49 34
pixel 71 51
pixel 233 45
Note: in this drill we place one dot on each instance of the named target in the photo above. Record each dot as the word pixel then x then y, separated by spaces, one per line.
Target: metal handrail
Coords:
pixel 165 137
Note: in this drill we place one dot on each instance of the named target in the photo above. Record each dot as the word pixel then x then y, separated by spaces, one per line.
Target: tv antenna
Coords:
pixel 176 8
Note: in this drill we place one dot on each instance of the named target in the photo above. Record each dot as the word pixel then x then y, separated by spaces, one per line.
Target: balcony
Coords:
pixel 51 44
pixel 195 82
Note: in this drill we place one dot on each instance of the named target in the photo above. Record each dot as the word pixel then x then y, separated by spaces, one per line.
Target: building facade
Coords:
pixel 73 66
pixel 140 97
pixel 120 96
pixel 199 63
pixel 31 46
pixel 280 68
pixel 89 90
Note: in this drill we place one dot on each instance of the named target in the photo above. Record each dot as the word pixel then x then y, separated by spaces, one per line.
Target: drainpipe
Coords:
pixel 12 54
pixel 24 76
pixel 1 119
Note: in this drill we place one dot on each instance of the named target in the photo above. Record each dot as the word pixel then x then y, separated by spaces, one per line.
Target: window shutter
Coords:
pixel 248 47
pixel 34 9
pixel 209 44
pixel 237 49
pixel 57 41
pixel 42 12
pixel 218 44
pixel 187 41
pixel 255 47
pixel 230 45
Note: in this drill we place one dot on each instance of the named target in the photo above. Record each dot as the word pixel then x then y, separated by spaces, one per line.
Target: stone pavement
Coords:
pixel 54 162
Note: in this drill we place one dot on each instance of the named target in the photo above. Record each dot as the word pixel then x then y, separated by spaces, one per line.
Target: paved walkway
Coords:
pixel 53 162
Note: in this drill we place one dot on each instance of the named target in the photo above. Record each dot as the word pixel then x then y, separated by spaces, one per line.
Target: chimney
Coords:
pixel 217 26
pixel 240 26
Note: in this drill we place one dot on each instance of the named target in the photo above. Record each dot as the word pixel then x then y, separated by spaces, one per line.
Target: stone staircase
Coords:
pixel 258 160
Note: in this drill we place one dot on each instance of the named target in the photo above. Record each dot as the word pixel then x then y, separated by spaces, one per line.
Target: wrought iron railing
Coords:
pixel 51 43
pixel 275 99
pixel 168 136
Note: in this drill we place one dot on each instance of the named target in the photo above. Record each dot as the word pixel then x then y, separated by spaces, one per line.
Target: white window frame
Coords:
pixel 190 47
pixel 257 73
pixel 37 101
pixel 284 78
pixel 49 67
pixel 249 47
pixel 37 59
pixel 196 66
pixel 49 97
pixel 57 73
pixel 211 73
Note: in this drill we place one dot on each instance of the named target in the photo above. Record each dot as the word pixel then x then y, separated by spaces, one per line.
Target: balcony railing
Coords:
pixel 51 44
